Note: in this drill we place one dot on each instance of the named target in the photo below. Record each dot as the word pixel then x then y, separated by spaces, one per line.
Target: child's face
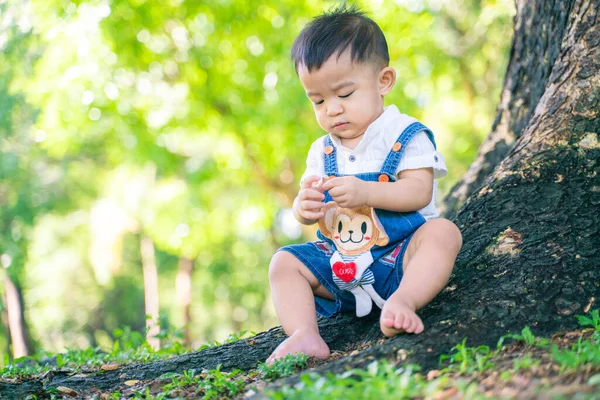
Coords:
pixel 347 97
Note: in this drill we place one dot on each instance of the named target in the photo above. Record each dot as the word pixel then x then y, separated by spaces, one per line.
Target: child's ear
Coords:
pixel 386 80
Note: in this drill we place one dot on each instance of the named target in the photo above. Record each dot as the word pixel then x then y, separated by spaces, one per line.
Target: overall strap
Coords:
pixel 393 158
pixel 330 157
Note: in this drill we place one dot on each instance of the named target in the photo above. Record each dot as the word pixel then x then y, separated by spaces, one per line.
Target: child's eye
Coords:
pixel 316 103
pixel 346 95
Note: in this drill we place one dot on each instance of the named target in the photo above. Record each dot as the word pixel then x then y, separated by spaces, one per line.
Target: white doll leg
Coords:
pixel 376 298
pixel 364 304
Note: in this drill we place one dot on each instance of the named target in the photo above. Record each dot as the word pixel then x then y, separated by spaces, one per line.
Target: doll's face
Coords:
pixel 352 233
pixel 353 230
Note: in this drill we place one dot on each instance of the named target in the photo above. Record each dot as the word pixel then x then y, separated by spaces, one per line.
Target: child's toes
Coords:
pixel 400 321
pixel 406 323
pixel 387 319
pixel 420 327
pixel 413 325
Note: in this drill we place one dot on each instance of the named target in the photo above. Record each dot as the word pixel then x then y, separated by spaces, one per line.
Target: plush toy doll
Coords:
pixel 354 231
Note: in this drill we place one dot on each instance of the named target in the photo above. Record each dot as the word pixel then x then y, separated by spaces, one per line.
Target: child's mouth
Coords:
pixel 340 126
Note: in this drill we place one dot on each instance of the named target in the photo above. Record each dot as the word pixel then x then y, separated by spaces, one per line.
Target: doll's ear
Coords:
pixel 326 222
pixel 383 238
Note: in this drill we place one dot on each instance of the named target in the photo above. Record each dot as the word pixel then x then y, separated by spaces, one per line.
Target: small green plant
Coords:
pixel 147 395
pixel 584 352
pixel 213 384
pixel 178 381
pixel 469 359
pixel 233 337
pixel 283 367
pixel 129 346
pixel 380 380
pixel 524 362
pixel 594 321
pixel 506 376
pixel 217 384
pixel 526 337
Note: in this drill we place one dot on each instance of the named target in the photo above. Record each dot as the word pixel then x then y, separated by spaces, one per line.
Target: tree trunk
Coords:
pixel 539 28
pixel 530 219
pixel 5 324
pixel 151 302
pixel 183 287
pixel 21 345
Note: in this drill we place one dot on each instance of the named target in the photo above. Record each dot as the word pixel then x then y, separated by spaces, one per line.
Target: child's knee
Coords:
pixel 277 267
pixel 283 264
pixel 446 234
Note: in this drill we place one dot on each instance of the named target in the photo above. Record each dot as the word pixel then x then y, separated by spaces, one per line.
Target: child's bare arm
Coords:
pixel 411 192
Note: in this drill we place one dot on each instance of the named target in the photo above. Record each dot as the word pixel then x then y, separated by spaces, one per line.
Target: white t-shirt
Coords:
pixel 369 155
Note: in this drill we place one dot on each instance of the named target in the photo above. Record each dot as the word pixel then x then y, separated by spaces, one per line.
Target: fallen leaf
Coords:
pixel 131 382
pixel 67 391
pixel 434 373
pixel 445 394
pixel 109 367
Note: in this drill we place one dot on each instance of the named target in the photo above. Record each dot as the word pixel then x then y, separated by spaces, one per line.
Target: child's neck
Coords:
pixel 351 143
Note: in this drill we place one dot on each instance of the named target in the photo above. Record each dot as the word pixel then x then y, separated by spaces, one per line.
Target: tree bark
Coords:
pixel 530 227
pixel 21 344
pixel 183 285
pixel 151 302
pixel 539 28
pixel 5 324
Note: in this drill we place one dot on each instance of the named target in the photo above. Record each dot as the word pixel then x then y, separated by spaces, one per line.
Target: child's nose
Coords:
pixel 334 109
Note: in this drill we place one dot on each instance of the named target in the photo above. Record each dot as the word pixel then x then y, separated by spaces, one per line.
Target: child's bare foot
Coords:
pixel 307 342
pixel 398 316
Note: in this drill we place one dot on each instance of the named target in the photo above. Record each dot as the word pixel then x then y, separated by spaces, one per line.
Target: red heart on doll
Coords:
pixel 345 272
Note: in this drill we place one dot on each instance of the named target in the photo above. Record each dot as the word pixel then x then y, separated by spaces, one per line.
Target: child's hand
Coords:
pixel 310 198
pixel 347 191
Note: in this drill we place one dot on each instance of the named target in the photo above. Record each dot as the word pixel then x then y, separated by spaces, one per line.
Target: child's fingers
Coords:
pixel 310 194
pixel 309 205
pixel 313 215
pixel 308 181
pixel 331 183
pixel 336 191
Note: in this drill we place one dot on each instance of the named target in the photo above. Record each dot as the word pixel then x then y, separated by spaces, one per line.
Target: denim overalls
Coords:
pixel 387 264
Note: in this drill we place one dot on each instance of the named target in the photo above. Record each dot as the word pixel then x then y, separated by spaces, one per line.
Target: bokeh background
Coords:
pixel 153 149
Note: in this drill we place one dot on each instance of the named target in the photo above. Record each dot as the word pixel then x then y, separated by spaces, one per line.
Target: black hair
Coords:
pixel 335 31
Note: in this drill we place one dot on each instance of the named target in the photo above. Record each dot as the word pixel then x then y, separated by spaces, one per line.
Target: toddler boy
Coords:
pixel 373 156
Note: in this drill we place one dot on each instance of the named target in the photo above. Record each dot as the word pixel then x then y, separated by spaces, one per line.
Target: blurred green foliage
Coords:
pixel 184 122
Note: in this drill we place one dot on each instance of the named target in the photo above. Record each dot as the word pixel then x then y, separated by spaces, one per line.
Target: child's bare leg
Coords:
pixel 293 288
pixel 427 264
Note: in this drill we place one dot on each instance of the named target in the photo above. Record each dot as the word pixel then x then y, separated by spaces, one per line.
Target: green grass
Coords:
pixel 213 384
pixel 286 366
pixel 526 337
pixel 380 380
pixel 583 353
pixel 524 362
pixel 128 347
pixel 469 359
